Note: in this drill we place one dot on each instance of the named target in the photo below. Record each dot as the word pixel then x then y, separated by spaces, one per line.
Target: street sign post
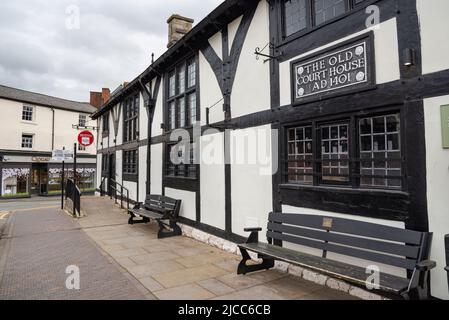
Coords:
pixel 62 155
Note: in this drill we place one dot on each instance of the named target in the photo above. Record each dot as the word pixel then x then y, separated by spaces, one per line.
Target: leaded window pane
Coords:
pixel 335 153
pixel 326 10
pixel 300 155
pixel 380 152
pixel 295 16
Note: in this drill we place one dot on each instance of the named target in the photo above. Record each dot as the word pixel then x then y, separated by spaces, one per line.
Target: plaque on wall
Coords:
pixel 349 66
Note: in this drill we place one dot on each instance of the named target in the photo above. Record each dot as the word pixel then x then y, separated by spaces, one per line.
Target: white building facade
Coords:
pixel 339 116
pixel 31 127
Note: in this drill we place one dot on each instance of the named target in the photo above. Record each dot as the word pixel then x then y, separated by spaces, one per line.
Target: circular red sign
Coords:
pixel 86 138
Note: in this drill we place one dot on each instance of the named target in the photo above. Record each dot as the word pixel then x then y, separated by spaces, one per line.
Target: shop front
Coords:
pixel 22 180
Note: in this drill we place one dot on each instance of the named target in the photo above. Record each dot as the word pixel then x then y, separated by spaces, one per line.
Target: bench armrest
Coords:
pixel 426 265
pixel 252 229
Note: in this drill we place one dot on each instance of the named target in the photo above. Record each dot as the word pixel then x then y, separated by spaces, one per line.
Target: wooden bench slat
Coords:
pixel 358 228
pixel 352 252
pixel 147 214
pixel 376 245
pixel 339 270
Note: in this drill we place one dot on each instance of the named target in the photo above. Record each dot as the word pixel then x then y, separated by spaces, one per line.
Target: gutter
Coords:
pixel 53 130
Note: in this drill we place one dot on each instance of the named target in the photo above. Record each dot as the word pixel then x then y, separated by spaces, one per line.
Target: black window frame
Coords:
pixel 354 152
pixel 174 100
pixel 311 25
pixel 105 125
pixel 189 171
pixel 130 165
pixel 131 108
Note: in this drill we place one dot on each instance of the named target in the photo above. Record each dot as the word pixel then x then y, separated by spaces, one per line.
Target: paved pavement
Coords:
pixel 40 244
pixel 120 261
pixel 183 268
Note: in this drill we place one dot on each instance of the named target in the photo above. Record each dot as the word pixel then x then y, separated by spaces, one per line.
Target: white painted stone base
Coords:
pixel 284 267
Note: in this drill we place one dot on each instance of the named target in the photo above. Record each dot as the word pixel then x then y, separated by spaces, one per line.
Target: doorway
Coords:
pixel 111 174
pixel 39 179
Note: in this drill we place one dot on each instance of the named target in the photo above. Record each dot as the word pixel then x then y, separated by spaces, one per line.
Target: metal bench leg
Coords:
pixel 132 221
pixel 419 287
pixel 165 233
pixel 243 268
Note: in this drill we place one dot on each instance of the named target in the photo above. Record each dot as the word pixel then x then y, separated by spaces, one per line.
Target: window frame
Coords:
pixel 131 111
pixel 130 159
pixel 28 135
pixel 105 125
pixel 181 95
pixel 80 121
pixel 311 26
pixel 354 153
pixel 32 108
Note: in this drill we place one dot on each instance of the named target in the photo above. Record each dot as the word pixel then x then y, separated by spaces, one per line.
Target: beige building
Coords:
pixel 32 126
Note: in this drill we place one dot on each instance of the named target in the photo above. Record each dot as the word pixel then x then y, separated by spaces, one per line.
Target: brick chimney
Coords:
pixel 105 95
pixel 178 26
pixel 96 99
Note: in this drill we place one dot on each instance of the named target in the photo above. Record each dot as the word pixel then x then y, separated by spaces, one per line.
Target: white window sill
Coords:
pixel 29 122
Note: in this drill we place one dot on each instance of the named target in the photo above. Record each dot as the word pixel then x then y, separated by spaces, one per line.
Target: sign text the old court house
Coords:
pixel 345 67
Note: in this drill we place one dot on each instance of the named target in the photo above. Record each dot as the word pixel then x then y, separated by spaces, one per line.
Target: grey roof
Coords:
pixel 44 100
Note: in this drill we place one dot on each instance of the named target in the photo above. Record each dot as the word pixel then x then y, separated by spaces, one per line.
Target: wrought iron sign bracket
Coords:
pixel 260 53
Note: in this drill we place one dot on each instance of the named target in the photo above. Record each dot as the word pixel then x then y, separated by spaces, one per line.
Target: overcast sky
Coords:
pixel 114 42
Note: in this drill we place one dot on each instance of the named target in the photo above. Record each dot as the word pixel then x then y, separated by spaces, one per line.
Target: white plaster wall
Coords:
pixel 143 119
pixel 386 57
pixel 12 127
pixel 158 115
pixel 213 181
pixel 232 30
pixel 251 90
pixel 156 168
pixel 119 166
pixel 337 257
pixel 216 44
pixel 437 191
pixel 188 204
pixel 434 24
pixel 142 172
pixel 132 187
pixel 210 92
pixel 251 186
pixel 98 173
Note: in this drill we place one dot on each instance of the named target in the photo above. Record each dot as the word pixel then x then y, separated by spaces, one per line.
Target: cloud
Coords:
pixel 113 44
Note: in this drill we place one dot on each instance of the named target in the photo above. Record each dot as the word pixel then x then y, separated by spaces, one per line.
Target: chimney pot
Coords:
pixel 178 26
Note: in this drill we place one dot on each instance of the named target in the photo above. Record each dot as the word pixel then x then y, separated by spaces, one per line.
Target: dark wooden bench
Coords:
pixel 160 209
pixel 367 241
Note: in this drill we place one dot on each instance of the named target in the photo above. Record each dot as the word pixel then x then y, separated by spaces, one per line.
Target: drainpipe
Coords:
pixel 447 257
pixel 53 130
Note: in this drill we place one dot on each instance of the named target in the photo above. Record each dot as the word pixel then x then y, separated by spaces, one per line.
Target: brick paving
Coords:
pixel 36 251
pixel 182 268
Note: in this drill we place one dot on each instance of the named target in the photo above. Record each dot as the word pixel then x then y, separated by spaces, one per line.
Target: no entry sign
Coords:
pixel 86 138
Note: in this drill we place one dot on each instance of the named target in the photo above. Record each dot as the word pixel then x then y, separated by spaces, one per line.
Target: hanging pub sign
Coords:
pixel 348 66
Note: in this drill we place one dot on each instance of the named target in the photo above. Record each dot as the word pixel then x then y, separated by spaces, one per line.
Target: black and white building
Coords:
pixel 337 104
